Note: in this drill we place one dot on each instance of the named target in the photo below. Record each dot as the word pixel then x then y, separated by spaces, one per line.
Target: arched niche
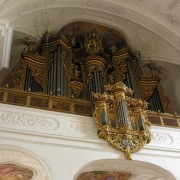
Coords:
pixel 122 169
pixel 19 162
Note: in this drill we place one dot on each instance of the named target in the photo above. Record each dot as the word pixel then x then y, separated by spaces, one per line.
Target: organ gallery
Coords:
pixel 90 70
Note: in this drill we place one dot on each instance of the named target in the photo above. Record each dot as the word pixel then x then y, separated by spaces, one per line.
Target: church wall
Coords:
pixel 65 142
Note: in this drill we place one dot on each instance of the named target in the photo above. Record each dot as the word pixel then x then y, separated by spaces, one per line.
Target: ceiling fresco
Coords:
pixel 15 172
pixel 104 175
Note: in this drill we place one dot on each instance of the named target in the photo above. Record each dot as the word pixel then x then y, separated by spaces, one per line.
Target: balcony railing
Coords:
pixel 81 107
pixel 43 101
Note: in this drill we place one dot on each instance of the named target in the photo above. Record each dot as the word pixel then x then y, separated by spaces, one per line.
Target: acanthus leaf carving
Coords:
pixel 161 138
pixel 4 4
pixel 28 120
pixel 107 6
pixel 76 127
pixel 170 10
pixel 41 23
pixel 33 5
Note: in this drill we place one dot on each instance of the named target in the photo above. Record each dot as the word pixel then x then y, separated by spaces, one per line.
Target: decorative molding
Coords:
pixel 106 6
pixel 161 138
pixel 145 176
pixel 4 4
pixel 34 5
pixel 41 23
pixel 165 33
pixel 151 46
pixel 174 19
pixel 169 9
pixel 78 127
pixel 10 156
pixel 139 2
pixel 27 120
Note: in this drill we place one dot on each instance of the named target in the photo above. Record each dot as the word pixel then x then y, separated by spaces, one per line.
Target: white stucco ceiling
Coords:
pixel 153 27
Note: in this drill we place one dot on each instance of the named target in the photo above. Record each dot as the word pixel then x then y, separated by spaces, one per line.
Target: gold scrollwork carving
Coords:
pixel 77 88
pixel 120 67
pixel 92 62
pixel 121 120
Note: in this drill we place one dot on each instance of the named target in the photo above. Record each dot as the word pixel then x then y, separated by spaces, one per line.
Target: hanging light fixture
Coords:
pixel 121 120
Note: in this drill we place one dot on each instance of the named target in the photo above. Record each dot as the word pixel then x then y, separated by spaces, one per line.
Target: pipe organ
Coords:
pixel 30 83
pixel 78 61
pixel 88 67
pixel 57 83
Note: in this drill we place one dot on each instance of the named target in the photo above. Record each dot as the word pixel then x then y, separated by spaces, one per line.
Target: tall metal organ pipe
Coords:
pixel 57 80
pixel 96 84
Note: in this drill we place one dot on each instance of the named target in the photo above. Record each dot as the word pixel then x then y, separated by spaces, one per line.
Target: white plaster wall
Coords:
pixel 67 142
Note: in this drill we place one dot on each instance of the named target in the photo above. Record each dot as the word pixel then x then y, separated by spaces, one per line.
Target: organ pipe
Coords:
pixel 122 114
pixel 54 74
pixel 58 82
pixel 51 81
pixel 92 65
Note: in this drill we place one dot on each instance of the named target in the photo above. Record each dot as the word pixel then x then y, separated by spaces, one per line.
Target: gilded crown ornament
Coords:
pixel 121 120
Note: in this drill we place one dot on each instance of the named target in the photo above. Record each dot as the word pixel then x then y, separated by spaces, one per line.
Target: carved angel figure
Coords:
pixel 75 72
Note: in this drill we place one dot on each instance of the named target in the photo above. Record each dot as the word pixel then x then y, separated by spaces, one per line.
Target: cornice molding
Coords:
pixel 22 119
pixel 72 129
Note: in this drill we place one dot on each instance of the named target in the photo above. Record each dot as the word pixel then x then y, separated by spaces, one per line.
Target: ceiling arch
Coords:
pixel 133 19
pixel 134 170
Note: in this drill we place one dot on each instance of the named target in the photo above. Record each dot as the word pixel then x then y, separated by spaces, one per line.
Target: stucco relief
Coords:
pixel 161 138
pixel 164 32
pixel 20 119
pixel 41 23
pixel 170 10
pixel 77 127
pixel 34 4
pixel 4 4
pixel 106 6
pixel 151 46
pixel 10 156
pixel 145 177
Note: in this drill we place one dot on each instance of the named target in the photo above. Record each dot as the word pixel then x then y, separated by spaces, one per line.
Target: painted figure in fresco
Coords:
pixel 14 172
pixel 103 175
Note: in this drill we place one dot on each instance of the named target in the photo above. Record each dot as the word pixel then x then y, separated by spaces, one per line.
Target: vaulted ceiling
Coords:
pixel 151 27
